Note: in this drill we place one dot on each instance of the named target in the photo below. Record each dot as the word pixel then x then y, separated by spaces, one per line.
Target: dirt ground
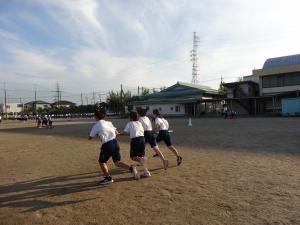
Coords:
pixel 239 171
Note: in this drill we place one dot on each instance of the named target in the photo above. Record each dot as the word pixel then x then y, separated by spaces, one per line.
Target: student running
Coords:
pixel 149 137
pixel 39 121
pixel 137 144
pixel 49 121
pixel 110 147
pixel 162 125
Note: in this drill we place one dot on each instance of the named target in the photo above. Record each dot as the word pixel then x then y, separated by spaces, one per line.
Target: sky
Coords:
pixel 96 45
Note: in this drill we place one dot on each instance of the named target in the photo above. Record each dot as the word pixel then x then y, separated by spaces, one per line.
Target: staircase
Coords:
pixel 245 103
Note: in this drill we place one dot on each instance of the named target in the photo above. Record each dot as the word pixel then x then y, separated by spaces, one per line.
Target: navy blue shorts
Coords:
pixel 149 138
pixel 110 149
pixel 137 147
pixel 164 135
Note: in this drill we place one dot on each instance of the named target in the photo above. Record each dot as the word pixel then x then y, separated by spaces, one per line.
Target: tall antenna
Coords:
pixel 194 59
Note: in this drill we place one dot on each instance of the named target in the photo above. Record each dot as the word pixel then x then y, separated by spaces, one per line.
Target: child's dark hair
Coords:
pixel 157 113
pixel 141 111
pixel 133 116
pixel 100 111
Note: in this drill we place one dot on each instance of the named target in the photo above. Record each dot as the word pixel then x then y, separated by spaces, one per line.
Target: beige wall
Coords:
pixel 278 70
pixel 13 108
pixel 165 108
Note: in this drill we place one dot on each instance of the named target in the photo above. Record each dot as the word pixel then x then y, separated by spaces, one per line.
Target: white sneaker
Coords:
pixel 135 173
pixel 146 173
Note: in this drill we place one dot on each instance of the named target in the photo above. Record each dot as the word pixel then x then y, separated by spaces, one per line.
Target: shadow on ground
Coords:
pixel 31 194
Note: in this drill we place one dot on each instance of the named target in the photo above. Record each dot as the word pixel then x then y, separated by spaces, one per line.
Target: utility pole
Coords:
pixel 121 99
pixel 60 97
pixel 5 101
pixel 138 90
pixel 58 94
pixel 35 98
pixel 94 97
pixel 194 59
pixel 22 104
pixel 81 99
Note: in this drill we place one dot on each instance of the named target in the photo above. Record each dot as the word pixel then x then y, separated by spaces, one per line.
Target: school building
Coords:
pixel 272 90
pixel 181 99
pixel 264 91
pixel 63 103
pixel 11 108
pixel 37 104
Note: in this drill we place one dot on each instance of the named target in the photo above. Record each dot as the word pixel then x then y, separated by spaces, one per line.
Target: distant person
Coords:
pixel 234 114
pixel 49 121
pixel 226 113
pixel 39 121
pixel 135 129
pixel 44 121
pixel 110 147
pixel 162 126
pixel 149 136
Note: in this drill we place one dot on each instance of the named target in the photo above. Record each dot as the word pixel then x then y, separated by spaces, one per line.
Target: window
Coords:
pixel 280 81
pixel 8 106
pixel 274 82
pixel 177 108
pixel 20 105
pixel 171 108
pixel 265 82
pixel 297 79
pixel 288 80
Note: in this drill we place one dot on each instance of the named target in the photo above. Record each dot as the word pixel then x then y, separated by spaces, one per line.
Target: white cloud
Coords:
pixel 147 43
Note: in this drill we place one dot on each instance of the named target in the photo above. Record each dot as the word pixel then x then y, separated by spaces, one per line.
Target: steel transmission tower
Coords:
pixel 194 59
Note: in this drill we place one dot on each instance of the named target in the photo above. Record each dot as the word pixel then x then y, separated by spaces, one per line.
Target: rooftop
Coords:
pixel 282 61
pixel 183 89
pixel 37 102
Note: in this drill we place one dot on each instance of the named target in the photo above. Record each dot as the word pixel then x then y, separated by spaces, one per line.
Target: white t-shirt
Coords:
pixel 146 123
pixel 105 130
pixel 163 123
pixel 135 129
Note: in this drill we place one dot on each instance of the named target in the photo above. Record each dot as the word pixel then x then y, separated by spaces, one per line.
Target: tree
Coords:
pixel 145 91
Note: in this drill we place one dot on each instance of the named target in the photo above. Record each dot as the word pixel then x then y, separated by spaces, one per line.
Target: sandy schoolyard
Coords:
pixel 235 172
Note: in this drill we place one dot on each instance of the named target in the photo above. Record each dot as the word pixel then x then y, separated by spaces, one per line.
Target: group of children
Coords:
pixel 44 121
pixel 139 128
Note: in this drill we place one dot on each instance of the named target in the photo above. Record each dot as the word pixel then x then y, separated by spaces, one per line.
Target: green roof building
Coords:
pixel 181 99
